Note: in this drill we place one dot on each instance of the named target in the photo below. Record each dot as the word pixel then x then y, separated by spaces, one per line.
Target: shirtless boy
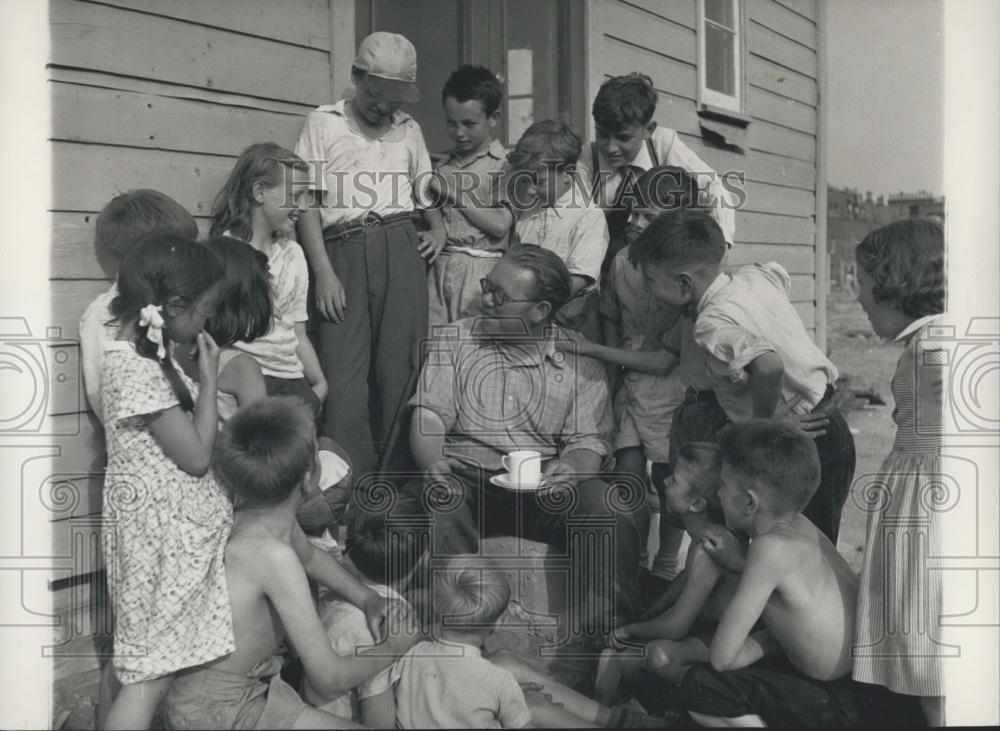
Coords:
pixel 266 456
pixel 796 671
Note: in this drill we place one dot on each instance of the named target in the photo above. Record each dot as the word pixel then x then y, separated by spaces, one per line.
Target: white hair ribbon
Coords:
pixel 152 320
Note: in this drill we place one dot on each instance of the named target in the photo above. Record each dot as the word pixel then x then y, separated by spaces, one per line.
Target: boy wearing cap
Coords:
pixel 371 175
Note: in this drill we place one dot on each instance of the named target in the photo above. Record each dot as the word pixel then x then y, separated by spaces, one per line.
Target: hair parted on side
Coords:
pixel 130 216
pixel 469 599
pixel 551 142
pixel 552 278
pixel 478 83
pixel 166 271
pixel 704 462
pixel 264 162
pixel 262 454
pixel 905 260
pixel 244 311
pixel 683 237
pixel 380 553
pixel 623 102
pixel 782 461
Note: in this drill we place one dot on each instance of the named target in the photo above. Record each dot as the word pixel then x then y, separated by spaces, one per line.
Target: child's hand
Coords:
pixel 431 243
pixel 619 637
pixel 813 424
pixel 331 300
pixel 376 616
pixel 320 388
pixel 403 627
pixel 208 358
pixel 724 548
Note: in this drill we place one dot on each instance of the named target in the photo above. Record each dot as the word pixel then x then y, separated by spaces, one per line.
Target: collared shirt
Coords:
pixel 746 314
pixel 670 150
pixel 476 179
pixel 450 685
pixel 916 325
pixel 693 363
pixel 96 329
pixel 387 175
pixel 573 228
pixel 495 398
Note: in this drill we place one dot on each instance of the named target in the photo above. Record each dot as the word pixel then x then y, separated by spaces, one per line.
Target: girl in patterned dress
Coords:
pixel 166 519
pixel 901 289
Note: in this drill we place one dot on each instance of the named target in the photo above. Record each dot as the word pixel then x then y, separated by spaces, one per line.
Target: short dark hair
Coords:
pixel 244 311
pixel 624 101
pixel 905 260
pixel 682 237
pixel 263 453
pixel 704 459
pixel 782 461
pixel 552 278
pixel 466 598
pixel 376 550
pixel 551 141
pixel 667 188
pixel 474 82
pixel 130 216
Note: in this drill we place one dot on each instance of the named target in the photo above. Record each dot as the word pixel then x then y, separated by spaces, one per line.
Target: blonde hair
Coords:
pixel 468 599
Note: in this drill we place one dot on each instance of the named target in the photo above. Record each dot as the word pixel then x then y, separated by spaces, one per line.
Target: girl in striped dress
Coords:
pixel 901 289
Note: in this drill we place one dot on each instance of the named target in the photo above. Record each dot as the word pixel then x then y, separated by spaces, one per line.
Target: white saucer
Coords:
pixel 502 481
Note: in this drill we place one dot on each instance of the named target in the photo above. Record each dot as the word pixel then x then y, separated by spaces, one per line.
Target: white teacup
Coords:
pixel 524 467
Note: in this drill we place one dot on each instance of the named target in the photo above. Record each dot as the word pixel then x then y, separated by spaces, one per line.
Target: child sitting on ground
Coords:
pixel 475 225
pixel 265 455
pixel 384 558
pixel 556 213
pixel 702 589
pixel 763 362
pixel 795 671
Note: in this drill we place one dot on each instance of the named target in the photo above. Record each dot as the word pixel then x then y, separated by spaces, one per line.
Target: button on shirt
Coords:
pixel 386 176
pixel 495 398
pixel 477 179
pixel 670 150
pixel 574 228
pixel 746 314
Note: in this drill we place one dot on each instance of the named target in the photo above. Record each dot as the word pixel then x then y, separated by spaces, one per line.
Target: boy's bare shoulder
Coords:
pixel 699 563
pixel 782 548
pixel 255 548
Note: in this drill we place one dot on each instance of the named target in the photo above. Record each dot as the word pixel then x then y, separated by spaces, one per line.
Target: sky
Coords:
pixel 885 95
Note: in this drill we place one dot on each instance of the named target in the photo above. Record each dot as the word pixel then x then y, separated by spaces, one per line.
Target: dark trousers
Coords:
pixel 298 387
pixel 703 420
pixel 781 696
pixel 595 525
pixel 368 358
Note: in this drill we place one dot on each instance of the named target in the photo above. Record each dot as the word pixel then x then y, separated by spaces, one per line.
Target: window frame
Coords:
pixel 711 99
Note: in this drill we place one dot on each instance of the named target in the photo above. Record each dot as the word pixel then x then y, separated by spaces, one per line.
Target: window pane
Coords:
pixel 720 60
pixel 720 11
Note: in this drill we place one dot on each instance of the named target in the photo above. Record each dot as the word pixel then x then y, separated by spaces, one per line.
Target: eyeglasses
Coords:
pixel 500 298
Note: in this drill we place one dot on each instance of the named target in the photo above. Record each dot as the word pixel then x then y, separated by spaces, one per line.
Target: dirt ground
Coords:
pixel 863 359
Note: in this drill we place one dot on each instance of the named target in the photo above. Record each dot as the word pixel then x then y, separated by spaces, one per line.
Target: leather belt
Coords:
pixel 342 231
pixel 693 396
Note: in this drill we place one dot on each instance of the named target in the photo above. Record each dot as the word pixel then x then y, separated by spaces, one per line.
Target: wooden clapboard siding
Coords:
pixel 779 162
pixel 163 95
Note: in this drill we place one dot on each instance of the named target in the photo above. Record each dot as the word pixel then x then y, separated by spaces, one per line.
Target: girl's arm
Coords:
pixel 242 378
pixel 188 442
pixel 379 711
pixel 656 362
pixel 310 362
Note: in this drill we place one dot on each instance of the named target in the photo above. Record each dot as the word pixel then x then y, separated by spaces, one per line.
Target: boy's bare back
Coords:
pixel 811 610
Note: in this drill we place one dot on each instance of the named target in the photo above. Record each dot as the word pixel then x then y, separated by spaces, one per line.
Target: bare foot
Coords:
pixel 609 676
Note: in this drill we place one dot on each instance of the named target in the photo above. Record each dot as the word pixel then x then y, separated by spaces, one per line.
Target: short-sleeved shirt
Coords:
pixel 670 150
pixel 626 299
pixel 746 314
pixel 495 398
pixel 574 228
pixel 693 363
pixel 347 630
pixel 359 174
pixel 95 331
pixel 446 685
pixel 275 352
pixel 476 179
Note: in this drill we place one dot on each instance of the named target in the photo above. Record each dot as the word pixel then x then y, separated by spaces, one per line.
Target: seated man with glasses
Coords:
pixel 496 384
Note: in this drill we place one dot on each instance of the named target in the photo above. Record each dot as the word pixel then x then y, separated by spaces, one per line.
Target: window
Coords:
pixel 720 54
